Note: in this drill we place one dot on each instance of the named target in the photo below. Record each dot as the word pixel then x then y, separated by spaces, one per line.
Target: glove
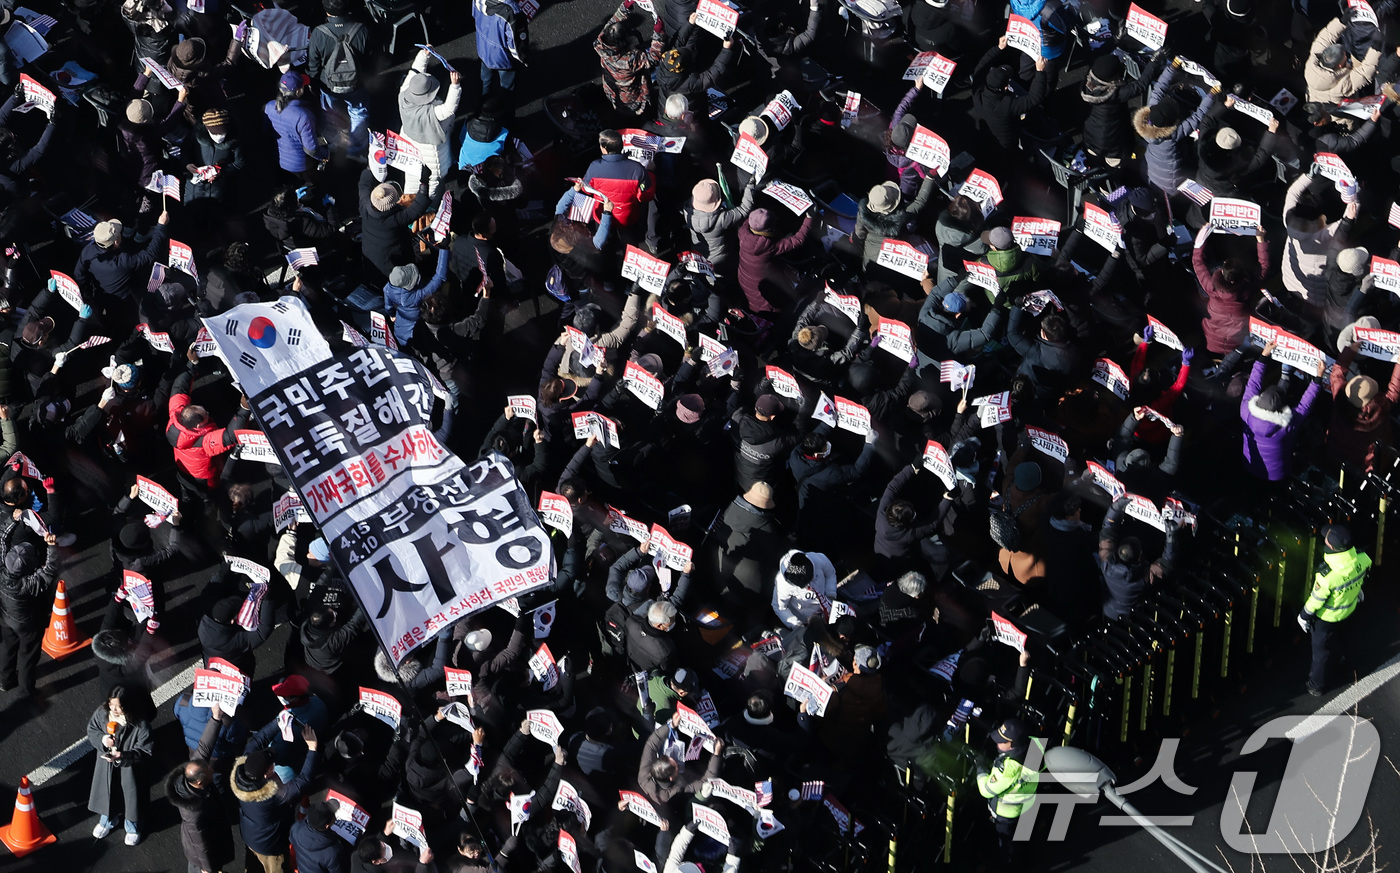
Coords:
pixel 1147 333
pixel 425 175
pixel 303 192
pixel 657 28
pixel 1305 621
pixel 1187 355
pixel 85 312
pixel 52 285
pixel 48 484
pixel 628 4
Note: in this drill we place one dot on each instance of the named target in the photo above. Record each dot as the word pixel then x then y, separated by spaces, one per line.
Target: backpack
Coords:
pixel 613 630
pixel 340 73
pixel 1004 529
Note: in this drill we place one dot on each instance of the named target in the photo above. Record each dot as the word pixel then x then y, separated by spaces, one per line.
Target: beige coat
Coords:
pixel 1333 86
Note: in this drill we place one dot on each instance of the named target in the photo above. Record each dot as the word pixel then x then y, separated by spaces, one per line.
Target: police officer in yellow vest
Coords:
pixel 1336 591
pixel 1009 785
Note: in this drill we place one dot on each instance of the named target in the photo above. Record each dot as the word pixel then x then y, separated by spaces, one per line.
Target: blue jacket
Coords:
pixel 295 127
pixel 285 754
pixel 496 42
pixel 227 743
pixel 402 303
pixel 318 851
pixel 1054 26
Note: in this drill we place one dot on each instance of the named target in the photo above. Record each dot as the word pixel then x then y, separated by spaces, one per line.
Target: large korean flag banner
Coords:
pixel 423 538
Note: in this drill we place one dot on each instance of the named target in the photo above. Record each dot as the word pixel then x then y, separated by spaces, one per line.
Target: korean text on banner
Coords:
pixel 716 18
pixel 1145 27
pixel 939 73
pixel 645 270
pixel 1111 376
pixel 846 304
pixel 1164 335
pixel 1385 273
pixel 422 537
pixel 1101 227
pixel 896 338
pixel 898 255
pixel 1239 217
pixel 1023 35
pixel 749 156
pixel 1003 631
pixel 929 149
pixel 783 382
pixel 1036 236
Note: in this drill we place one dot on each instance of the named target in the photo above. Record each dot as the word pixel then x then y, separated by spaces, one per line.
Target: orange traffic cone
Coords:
pixel 62 638
pixel 25 833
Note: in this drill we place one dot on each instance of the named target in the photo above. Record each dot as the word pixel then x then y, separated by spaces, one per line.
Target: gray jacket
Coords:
pixel 710 231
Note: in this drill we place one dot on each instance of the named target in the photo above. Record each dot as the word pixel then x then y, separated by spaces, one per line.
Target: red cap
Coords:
pixel 293 686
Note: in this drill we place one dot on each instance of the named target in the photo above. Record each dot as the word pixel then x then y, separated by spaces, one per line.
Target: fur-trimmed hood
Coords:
pixel 1146 129
pixel 258 795
pixel 1096 90
pixel 180 794
pixel 385 671
pixel 1280 419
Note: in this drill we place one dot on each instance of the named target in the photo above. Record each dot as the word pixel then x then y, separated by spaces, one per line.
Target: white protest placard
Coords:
pixel 646 271
pixel 67 288
pixel 522 406
pixel 621 522
pixel 937 462
pixel 1023 36
pixel 1164 335
pixel 36 95
pixel 595 424
pixel 749 156
pixel 152 494
pixel 1048 443
pixel 694 262
pixel 408 824
pixel 851 416
pixel 1361 11
pixel 896 338
pixel 898 255
pixel 396 151
pixel 589 355
pixel 1100 476
pixel 982 187
pixel 670 325
pixel 253 570
pixel 182 258
pixel 568 848
pixel 1239 217
pixel 1101 227
pixel 710 348
pixel 459 682
pixel 1145 27
pixel 1291 350
pixel 993 409
pixel 1330 166
pixel 1382 345
pixel 1261 114
pixel 556 511
pixel 643 385
pixel 929 149
pixel 717 18
pixel 639 806
pixel 1004 631
pixel 288 511
pixel 1144 510
pixel 20 461
pixel 158 339
pixel 253 446
pixel 691 723
pixel 982 275
pixel 1385 273
pixel 850 110
pixel 1037 236
pixel 214 686
pixel 783 382
pixel 1178 513
pixel 919 66
pixel 803 684
pixel 846 304
pixel 782 108
pixel 1035 302
pixel 791 196
pixel 744 798
pixel 939 73
pixel 350 818
pixel 442 220
pixel 545 726
pixel 1194 69
pixel 710 823
pixel 543 667
pixel 161 74
pixel 1111 376
pixel 673 553
pixel 381 705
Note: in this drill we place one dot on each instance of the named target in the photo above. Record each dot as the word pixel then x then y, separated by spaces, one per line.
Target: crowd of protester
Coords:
pixel 838 437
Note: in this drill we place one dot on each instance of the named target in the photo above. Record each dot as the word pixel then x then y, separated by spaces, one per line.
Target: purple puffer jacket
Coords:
pixel 1269 436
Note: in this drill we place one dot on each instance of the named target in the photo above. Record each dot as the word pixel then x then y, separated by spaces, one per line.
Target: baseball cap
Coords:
pixel 295 685
pixel 1013 730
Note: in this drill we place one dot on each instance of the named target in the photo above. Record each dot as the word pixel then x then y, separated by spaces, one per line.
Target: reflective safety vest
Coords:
pixel 1010 786
pixel 1337 586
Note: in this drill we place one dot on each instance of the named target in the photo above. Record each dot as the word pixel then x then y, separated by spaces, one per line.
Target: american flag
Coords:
pixel 248 612
pixel 93 341
pixel 299 258
pixel 1198 193
pixel 763 792
pixel 1394 219
pixel 814 790
pixel 955 374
